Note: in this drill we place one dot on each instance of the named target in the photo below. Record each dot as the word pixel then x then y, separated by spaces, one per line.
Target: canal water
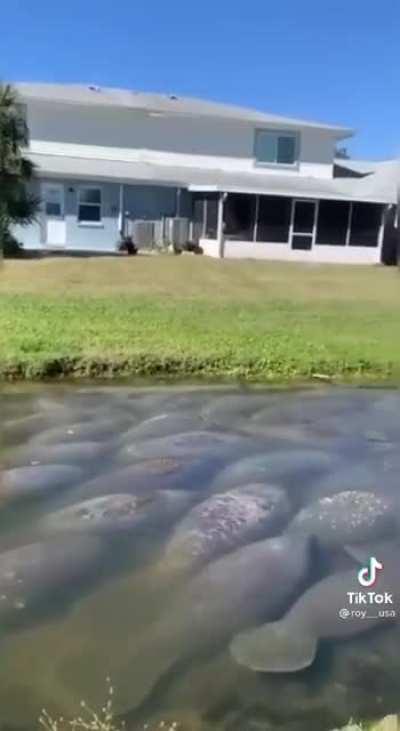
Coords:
pixel 205 548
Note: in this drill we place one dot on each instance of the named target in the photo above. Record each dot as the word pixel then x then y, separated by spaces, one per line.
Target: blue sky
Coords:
pixel 336 61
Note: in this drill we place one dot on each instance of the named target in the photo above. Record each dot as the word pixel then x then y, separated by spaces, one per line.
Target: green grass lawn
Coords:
pixel 190 316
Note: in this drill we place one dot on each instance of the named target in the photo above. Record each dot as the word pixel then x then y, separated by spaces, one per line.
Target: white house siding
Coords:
pixel 283 252
pixel 140 201
pixel 92 237
pixel 131 135
pixel 76 144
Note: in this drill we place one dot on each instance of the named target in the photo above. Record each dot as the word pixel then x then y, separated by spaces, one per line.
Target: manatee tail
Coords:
pixel 154 653
pixel 276 647
pixel 147 663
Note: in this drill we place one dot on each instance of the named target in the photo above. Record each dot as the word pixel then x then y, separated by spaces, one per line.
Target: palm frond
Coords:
pixel 23 210
pixel 17 204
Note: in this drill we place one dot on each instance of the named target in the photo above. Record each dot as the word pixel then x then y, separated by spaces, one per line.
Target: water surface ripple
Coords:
pixel 197 544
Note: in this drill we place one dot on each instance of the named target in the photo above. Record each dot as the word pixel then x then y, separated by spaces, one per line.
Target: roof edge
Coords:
pixel 225 111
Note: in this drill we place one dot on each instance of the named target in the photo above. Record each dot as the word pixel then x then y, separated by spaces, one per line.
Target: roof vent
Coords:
pixel 93 87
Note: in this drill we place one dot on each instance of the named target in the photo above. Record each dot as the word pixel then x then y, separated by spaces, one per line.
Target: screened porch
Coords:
pixel 277 227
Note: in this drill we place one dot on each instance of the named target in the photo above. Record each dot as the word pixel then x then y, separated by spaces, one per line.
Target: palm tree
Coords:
pixel 17 205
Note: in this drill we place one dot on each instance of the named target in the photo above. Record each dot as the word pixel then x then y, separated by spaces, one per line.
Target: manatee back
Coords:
pixel 257 581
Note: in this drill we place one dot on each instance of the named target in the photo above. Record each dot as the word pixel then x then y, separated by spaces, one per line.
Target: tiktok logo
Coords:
pixel 368 575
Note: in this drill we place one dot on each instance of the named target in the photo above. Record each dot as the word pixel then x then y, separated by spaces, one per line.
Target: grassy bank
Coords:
pixel 191 316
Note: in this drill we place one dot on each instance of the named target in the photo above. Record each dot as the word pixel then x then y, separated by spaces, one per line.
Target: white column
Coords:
pixel 349 222
pixel 121 209
pixel 381 233
pixel 178 201
pixel 220 225
pixel 257 210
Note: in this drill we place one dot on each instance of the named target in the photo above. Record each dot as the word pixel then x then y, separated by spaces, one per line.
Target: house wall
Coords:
pixel 130 135
pixel 149 202
pixel 283 252
pixel 140 201
pixel 92 237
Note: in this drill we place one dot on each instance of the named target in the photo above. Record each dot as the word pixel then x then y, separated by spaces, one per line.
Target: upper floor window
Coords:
pixel 89 205
pixel 276 148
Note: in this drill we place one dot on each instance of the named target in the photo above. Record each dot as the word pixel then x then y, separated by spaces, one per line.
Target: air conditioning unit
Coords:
pixel 159 233
pixel 143 234
pixel 177 231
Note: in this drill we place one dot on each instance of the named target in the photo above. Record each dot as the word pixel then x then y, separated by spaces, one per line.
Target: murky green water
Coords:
pixel 211 497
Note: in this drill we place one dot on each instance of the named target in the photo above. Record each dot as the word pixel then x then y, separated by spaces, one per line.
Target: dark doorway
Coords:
pixel 240 216
pixel 366 221
pixel 304 216
pixel 274 219
pixel 333 222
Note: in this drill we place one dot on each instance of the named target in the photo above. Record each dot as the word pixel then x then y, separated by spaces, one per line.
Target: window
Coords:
pixel 276 148
pixel 53 200
pixel 333 221
pixel 365 224
pixel 89 205
pixel 274 219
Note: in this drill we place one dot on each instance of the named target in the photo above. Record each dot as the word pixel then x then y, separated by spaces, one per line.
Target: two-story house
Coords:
pixel 251 184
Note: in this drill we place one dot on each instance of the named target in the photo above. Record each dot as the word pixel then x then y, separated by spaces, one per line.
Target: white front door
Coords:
pixel 54 214
pixel 304 224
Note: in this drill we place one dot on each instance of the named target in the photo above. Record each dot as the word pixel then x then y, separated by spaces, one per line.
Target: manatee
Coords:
pixel 15 404
pixel 38 576
pixel 145 403
pixel 313 415
pixel 224 522
pixel 188 400
pixel 354 476
pixel 383 416
pixel 53 411
pixel 14 431
pixel 162 425
pixel 36 481
pixel 294 436
pixel 94 397
pixel 96 430
pixel 283 465
pixel 351 516
pixel 172 398
pixel 59 453
pixel 256 581
pixel 308 407
pixel 115 513
pixel 52 422
pixel 291 643
pixel 164 473
pixel 67 404
pixel 390 478
pixel 387 403
pixel 187 444
pixel 231 407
